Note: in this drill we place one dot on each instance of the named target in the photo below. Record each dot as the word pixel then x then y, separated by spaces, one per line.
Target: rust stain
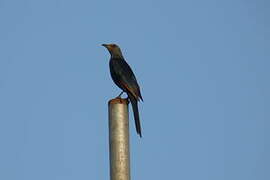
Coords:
pixel 118 101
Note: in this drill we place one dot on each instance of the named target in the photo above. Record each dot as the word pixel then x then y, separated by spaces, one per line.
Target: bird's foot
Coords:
pixel 119 97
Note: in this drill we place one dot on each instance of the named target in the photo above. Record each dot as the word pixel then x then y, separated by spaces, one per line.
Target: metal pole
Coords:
pixel 119 139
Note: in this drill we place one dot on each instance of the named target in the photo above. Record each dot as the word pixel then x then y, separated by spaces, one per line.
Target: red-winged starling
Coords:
pixel 125 79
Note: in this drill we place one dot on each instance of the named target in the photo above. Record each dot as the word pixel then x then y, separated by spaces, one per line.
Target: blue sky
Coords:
pixel 203 68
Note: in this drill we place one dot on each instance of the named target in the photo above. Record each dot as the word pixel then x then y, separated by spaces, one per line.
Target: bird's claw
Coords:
pixel 119 97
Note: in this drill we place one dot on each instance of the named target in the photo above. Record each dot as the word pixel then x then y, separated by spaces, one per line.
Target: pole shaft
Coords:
pixel 119 139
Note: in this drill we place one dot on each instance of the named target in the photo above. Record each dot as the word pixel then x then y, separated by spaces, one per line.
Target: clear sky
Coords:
pixel 203 68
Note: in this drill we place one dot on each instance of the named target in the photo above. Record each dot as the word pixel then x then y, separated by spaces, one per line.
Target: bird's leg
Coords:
pixel 119 96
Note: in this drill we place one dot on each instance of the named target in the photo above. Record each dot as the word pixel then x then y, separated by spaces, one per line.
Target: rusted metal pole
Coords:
pixel 119 139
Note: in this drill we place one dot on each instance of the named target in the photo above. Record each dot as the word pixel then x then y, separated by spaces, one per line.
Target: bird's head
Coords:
pixel 114 50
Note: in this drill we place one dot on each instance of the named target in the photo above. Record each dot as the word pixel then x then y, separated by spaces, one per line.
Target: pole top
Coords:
pixel 118 101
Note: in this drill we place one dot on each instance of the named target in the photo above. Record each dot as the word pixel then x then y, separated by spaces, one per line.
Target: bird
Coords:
pixel 123 76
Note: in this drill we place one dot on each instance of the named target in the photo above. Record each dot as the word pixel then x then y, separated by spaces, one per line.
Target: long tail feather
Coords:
pixel 134 104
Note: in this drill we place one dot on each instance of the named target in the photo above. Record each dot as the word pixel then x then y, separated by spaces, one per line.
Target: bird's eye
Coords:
pixel 113 45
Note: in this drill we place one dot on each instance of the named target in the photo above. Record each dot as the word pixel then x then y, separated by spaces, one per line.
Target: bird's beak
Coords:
pixel 107 46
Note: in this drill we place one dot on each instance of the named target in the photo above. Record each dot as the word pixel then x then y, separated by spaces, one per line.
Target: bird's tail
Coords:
pixel 134 104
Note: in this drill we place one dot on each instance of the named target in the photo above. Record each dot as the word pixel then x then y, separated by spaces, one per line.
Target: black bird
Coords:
pixel 125 79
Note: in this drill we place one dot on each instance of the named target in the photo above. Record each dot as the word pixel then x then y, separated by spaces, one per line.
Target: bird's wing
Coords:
pixel 126 77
